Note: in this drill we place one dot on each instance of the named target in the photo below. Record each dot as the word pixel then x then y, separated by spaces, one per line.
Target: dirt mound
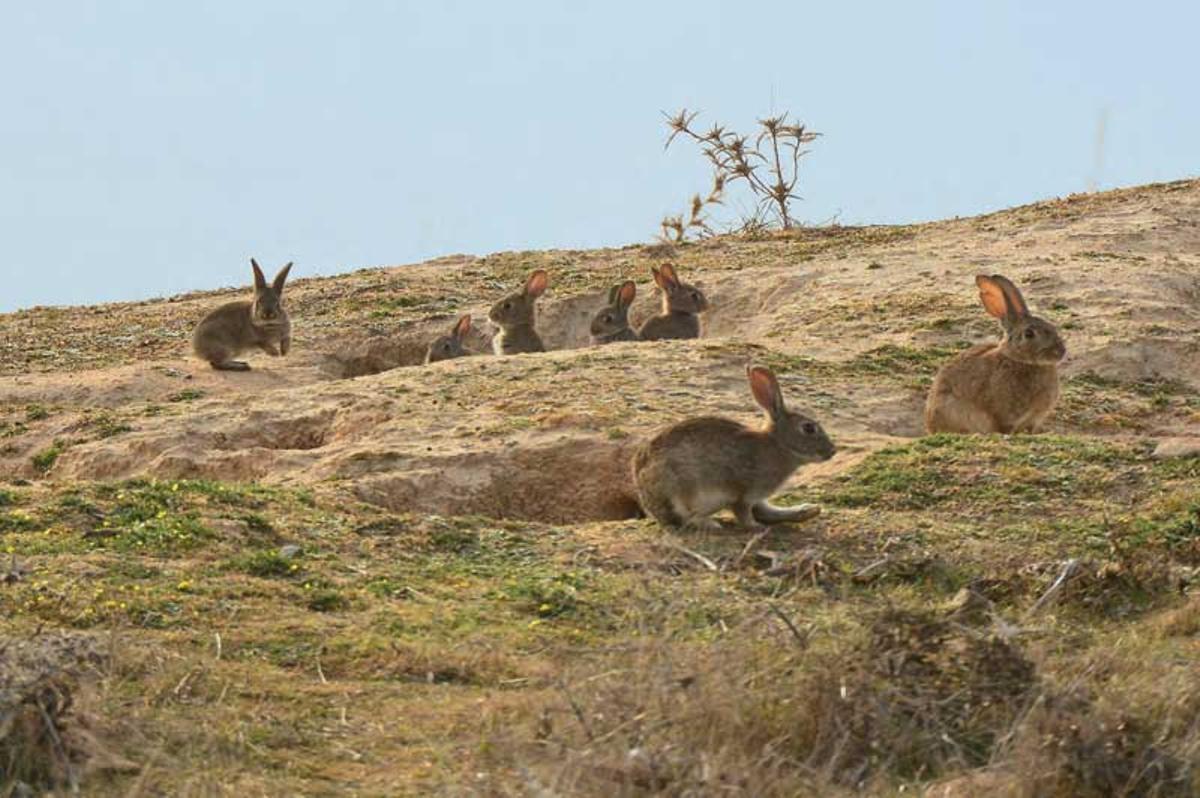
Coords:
pixel 1143 360
pixel 855 320
pixel 568 481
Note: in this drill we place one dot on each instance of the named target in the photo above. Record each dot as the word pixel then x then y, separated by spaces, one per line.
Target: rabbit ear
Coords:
pixel 535 286
pixel 992 296
pixel 462 327
pixel 625 293
pixel 766 390
pixel 669 272
pixel 281 278
pixel 612 294
pixel 1016 302
pixel 1001 298
pixel 260 282
pixel 659 278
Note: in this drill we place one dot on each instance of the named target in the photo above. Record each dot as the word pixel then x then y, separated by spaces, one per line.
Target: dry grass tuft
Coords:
pixel 909 697
pixel 46 740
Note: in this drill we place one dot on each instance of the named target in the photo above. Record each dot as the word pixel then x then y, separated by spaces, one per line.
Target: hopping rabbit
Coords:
pixel 697 467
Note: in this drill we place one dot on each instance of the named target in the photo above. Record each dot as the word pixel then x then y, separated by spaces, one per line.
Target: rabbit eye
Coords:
pixel 1031 334
pixel 446 347
pixel 695 295
pixel 608 317
pixel 809 428
pixel 508 306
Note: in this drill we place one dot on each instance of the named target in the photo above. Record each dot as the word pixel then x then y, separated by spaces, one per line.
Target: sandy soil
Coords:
pixel 855 319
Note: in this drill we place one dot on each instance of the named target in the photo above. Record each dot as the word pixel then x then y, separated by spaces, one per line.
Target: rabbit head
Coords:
pixel 1027 338
pixel 614 318
pixel 799 435
pixel 518 309
pixel 267 308
pixel 678 297
pixel 450 346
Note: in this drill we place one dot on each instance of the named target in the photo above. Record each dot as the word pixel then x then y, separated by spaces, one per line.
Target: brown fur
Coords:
pixel 682 305
pixel 516 315
pixel 611 323
pixel 447 347
pixel 1006 387
pixel 236 327
pixel 697 467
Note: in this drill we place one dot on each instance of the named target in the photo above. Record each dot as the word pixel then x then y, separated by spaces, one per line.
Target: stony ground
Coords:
pixel 346 573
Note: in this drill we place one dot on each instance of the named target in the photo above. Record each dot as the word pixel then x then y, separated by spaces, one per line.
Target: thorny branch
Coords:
pixel 770 166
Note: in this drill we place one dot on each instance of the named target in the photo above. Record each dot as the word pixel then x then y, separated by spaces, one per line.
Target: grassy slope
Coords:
pixel 408 654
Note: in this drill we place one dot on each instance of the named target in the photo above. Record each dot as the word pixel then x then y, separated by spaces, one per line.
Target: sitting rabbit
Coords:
pixel 516 315
pixel 235 327
pixel 682 304
pixel 1007 386
pixel 612 323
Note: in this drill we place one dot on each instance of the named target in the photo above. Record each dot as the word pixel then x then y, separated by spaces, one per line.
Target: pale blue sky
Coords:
pixel 149 148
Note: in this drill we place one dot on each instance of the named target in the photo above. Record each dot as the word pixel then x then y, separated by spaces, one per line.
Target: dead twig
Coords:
pixel 1070 569
pixel 801 638
pixel 578 711
pixel 695 555
pixel 750 544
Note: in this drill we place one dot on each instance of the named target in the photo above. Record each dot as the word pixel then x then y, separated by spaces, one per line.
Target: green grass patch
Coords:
pixel 186 395
pixel 267 565
pixel 980 471
pixel 44 460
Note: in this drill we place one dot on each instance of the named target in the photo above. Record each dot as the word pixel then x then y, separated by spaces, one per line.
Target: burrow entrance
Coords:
pixel 571 481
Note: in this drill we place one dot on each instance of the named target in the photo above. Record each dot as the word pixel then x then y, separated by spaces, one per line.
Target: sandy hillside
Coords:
pixel 160 506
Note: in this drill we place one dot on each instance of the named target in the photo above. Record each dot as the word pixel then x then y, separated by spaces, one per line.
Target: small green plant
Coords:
pixel 36 413
pixel 547 596
pixel 150 516
pixel 186 395
pixel 769 164
pixel 44 460
pixel 106 425
pixel 327 600
pixel 267 565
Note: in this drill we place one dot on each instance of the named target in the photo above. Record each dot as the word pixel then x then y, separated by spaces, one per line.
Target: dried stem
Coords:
pixel 733 157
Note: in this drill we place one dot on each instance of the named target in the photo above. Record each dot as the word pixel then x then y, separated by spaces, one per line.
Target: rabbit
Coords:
pixel 515 315
pixel 238 326
pixel 682 304
pixel 612 323
pixel 1007 386
pixel 450 346
pixel 697 467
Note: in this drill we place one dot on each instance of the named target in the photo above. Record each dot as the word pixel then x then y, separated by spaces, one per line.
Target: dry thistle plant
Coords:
pixel 769 165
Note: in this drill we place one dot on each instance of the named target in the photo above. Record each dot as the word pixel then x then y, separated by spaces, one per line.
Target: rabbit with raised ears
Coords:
pixel 236 327
pixel 516 316
pixel 682 305
pixel 703 465
pixel 447 347
pixel 1007 386
pixel 612 323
